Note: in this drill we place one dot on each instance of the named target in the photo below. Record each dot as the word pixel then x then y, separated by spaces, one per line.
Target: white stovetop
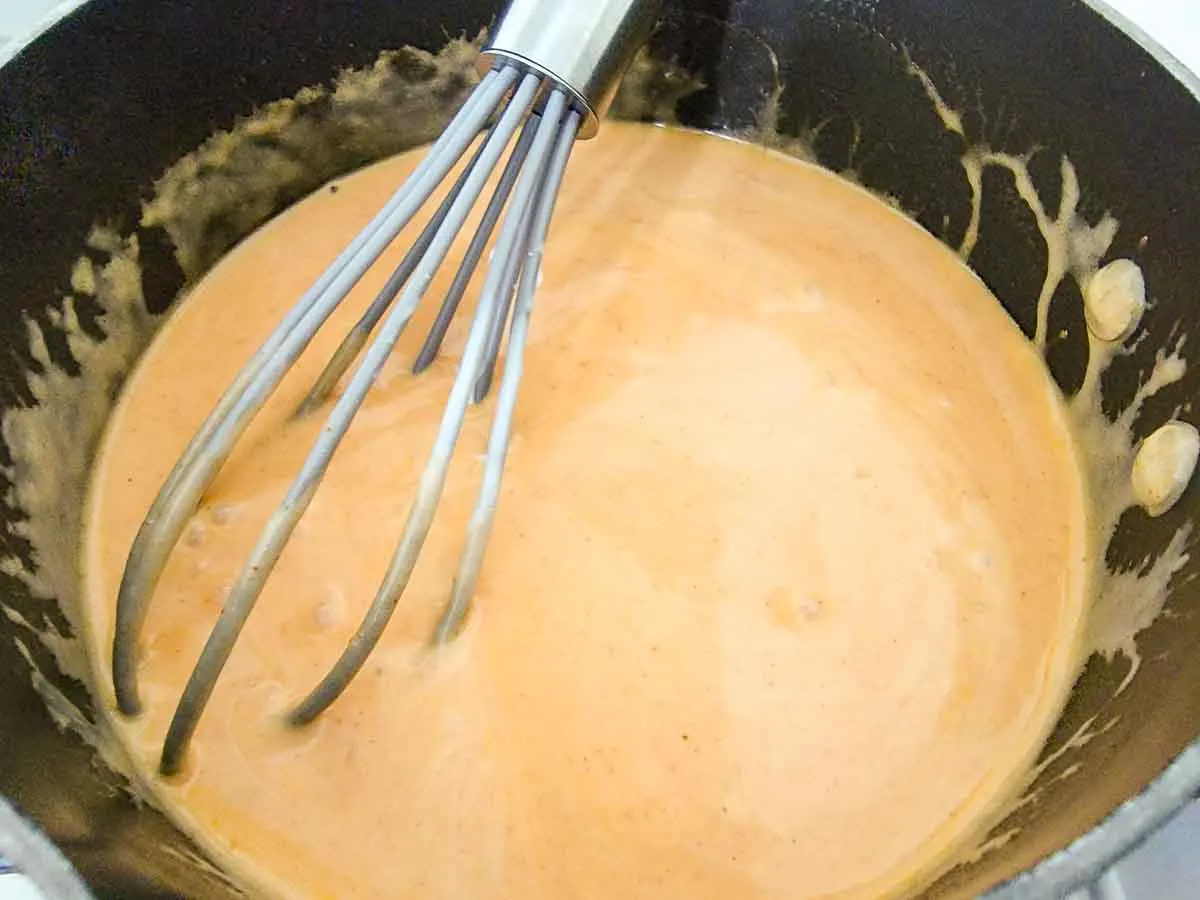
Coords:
pixel 1168 867
pixel 1173 23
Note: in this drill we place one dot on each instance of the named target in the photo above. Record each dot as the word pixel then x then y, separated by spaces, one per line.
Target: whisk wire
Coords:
pixel 480 527
pixel 352 345
pixel 214 441
pixel 534 178
pixel 270 546
pixel 491 216
pixel 499 318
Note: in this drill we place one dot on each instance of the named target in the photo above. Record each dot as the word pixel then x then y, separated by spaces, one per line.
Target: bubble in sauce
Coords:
pixel 224 513
pixel 195 534
pixel 331 611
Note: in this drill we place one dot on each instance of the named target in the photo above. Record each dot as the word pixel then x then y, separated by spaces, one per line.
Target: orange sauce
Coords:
pixel 785 589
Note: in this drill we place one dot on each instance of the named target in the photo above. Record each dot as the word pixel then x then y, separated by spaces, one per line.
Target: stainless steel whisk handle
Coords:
pixel 584 45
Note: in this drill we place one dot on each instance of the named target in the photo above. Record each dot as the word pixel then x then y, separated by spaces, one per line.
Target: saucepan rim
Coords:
pixel 1075 866
pixel 33 856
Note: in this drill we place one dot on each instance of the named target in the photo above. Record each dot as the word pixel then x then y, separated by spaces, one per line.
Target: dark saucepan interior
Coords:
pixel 98 107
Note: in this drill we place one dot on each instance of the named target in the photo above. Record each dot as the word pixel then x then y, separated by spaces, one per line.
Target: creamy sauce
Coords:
pixel 785 593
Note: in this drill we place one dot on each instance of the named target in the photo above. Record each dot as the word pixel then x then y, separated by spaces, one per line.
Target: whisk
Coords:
pixel 549 74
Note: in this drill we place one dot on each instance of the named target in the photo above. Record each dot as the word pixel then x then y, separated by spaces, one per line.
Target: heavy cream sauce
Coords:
pixel 786 587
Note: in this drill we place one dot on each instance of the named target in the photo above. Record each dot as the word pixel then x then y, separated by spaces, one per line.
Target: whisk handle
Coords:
pixel 584 45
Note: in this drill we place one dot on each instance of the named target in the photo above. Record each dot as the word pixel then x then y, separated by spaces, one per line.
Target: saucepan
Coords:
pixel 895 94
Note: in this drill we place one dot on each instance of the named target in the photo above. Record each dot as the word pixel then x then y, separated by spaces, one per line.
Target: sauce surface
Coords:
pixel 785 590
